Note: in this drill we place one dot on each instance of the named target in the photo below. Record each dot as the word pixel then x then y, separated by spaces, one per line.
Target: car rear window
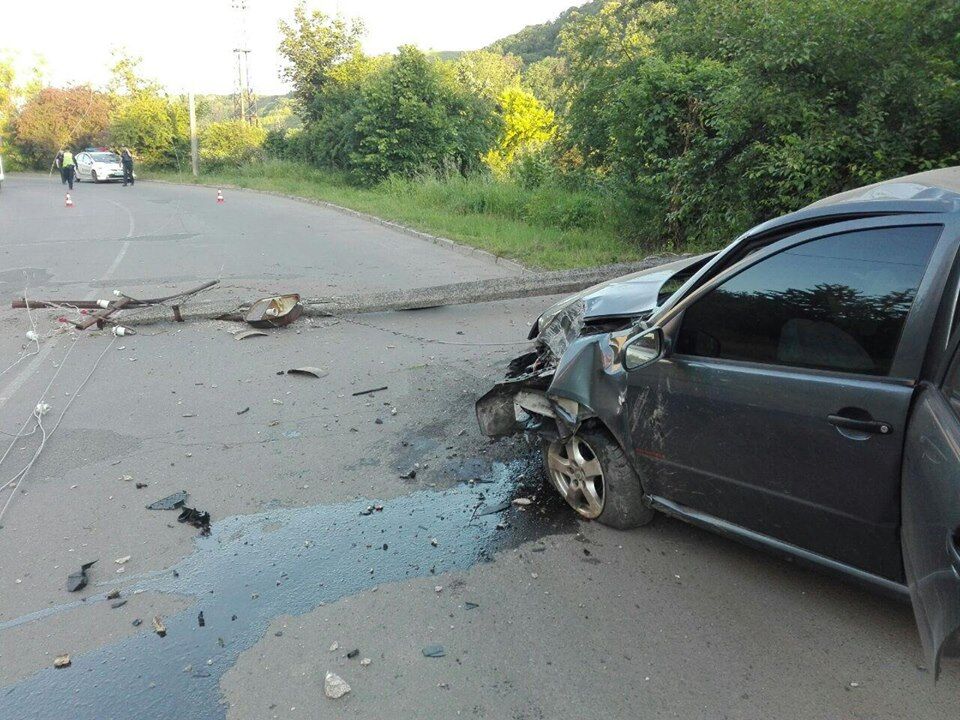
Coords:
pixel 105 157
pixel 835 303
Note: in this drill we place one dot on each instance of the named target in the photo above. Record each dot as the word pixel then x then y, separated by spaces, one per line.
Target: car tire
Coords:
pixel 93 176
pixel 621 503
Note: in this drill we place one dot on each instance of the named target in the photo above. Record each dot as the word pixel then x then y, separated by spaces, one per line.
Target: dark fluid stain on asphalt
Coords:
pixel 243 577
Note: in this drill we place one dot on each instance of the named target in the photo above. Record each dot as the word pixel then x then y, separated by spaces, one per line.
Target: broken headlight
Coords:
pixel 563 327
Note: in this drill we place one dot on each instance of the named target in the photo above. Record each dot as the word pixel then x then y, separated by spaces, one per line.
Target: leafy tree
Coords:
pixel 155 127
pixel 152 124
pixel 61 118
pixel 314 44
pixel 527 127
pixel 712 115
pixel 546 80
pixel 487 74
pixel 231 143
pixel 331 139
pixel 412 120
pixel 536 42
pixel 7 101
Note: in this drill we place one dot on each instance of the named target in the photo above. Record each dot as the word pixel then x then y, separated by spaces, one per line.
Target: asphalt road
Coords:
pixel 318 546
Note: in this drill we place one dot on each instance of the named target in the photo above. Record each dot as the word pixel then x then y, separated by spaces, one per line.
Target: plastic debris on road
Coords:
pixel 78 580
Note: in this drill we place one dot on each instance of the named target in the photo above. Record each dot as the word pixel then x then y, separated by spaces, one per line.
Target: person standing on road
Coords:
pixel 126 159
pixel 69 167
pixel 58 163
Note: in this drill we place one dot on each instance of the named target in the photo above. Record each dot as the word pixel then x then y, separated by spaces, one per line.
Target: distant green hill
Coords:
pixel 536 42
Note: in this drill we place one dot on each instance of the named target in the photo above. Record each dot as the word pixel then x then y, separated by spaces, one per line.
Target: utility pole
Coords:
pixel 194 148
pixel 244 102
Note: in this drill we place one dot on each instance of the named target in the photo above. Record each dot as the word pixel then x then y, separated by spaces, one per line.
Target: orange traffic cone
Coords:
pixel 69 202
pixel 219 197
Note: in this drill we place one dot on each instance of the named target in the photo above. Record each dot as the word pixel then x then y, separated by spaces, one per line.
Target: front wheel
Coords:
pixel 93 176
pixel 591 472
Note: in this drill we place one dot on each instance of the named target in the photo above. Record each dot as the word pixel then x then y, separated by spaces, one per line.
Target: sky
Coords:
pixel 187 45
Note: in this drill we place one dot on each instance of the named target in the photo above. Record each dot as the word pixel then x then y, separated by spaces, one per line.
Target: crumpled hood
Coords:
pixel 634 294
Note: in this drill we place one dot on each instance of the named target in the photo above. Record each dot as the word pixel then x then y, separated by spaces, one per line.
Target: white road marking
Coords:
pixel 17 381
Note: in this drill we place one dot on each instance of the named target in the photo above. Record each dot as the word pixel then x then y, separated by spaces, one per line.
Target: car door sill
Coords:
pixel 765 542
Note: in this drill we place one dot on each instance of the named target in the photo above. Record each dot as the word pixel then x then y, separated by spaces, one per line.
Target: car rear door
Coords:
pixel 782 406
pixel 931 514
pixel 83 164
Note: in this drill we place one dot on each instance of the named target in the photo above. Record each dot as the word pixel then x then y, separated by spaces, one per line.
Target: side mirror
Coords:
pixel 642 349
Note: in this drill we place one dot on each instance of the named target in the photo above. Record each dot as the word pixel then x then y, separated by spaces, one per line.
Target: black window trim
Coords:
pixel 902 368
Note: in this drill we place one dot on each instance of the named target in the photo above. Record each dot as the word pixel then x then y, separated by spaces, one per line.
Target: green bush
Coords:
pixel 231 143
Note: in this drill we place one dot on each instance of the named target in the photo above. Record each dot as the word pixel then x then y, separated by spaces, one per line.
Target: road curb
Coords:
pixel 405 229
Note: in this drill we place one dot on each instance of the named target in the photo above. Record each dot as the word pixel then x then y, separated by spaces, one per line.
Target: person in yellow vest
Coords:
pixel 69 167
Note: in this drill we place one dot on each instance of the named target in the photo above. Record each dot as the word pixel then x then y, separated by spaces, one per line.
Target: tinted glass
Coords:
pixel 837 303
pixel 105 157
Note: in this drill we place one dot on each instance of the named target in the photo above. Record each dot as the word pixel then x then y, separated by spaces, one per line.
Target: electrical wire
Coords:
pixel 35 339
pixel 38 413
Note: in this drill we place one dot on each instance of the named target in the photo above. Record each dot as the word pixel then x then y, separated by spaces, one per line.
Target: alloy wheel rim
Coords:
pixel 576 473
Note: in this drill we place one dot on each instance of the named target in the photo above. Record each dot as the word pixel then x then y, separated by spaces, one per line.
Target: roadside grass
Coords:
pixel 546 227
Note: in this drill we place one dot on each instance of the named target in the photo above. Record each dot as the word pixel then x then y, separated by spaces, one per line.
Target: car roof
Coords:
pixel 928 185
pixel 933 191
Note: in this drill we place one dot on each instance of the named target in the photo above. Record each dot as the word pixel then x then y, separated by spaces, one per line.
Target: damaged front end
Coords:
pixel 574 374
pixel 559 385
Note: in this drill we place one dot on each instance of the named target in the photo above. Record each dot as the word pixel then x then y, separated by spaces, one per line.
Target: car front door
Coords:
pixel 931 515
pixel 83 165
pixel 782 405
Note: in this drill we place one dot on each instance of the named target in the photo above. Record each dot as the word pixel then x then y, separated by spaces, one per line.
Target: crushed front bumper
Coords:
pixel 571 377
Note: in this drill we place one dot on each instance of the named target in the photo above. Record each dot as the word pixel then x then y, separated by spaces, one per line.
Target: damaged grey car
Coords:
pixel 798 391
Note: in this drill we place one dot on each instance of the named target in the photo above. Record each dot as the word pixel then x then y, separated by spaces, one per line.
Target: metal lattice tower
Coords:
pixel 244 101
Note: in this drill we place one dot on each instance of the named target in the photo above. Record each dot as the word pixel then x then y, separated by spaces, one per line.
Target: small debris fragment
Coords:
pixel 334 647
pixel 365 662
pixel 470 605
pixel 117 604
pixel 78 580
pixel 434 542
pixel 534 576
pixel 113 594
pixel 493 509
pixel 522 501
pixel 122 560
pixel 353 653
pixel 378 421
pixel 197 518
pixel 334 686
pixel 137 622
pixel 245 410
pixel 171 502
pixel 249 333
pixel 158 627
pixel 61 661
pixel 438 588
pixel 369 392
pixel 200 619
pixel 141 485
pixel 434 651
pixel 310 371
pixel 409 475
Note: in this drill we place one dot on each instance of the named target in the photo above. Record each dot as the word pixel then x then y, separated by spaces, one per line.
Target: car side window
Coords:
pixel 951 384
pixel 835 303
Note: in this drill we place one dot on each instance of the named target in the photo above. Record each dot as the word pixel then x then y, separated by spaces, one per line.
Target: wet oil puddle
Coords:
pixel 253 568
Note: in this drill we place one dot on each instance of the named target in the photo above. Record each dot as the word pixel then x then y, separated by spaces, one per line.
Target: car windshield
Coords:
pixel 105 157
